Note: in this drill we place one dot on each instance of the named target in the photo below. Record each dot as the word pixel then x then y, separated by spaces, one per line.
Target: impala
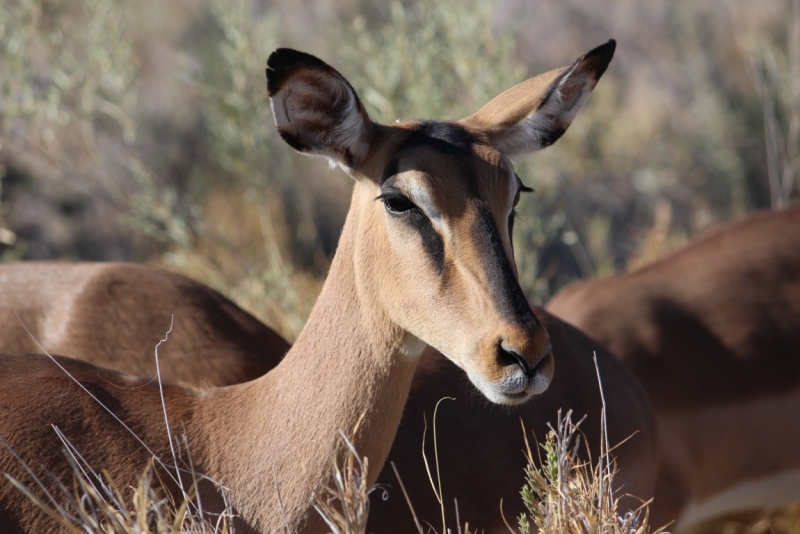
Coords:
pixel 424 258
pixel 713 333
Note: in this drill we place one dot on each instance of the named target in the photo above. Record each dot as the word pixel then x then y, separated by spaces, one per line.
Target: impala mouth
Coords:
pixel 519 386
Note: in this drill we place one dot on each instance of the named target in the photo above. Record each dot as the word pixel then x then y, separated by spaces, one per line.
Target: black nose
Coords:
pixel 510 356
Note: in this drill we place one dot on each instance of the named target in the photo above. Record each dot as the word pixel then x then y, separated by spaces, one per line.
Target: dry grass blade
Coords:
pixel 344 506
pixel 408 499
pixel 437 485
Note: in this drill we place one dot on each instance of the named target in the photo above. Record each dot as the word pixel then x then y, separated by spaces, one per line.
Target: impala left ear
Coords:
pixel 537 112
pixel 315 108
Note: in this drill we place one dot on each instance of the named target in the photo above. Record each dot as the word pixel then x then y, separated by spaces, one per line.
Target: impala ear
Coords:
pixel 316 110
pixel 535 113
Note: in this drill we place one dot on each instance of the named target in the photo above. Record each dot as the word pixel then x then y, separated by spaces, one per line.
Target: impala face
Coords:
pixel 434 203
pixel 441 209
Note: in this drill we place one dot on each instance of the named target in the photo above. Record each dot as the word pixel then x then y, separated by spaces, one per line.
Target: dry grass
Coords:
pixel 345 505
pixel 97 504
pixel 568 495
pixel 565 495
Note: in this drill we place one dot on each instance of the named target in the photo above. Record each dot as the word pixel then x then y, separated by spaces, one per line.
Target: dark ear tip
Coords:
pixel 282 57
pixel 598 58
pixel 279 66
pixel 285 61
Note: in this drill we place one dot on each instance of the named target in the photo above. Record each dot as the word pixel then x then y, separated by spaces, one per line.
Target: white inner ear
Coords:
pixel 322 112
pixel 573 92
pixel 534 131
pixel 541 121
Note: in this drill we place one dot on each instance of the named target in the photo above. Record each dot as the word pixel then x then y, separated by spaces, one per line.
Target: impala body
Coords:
pixel 114 314
pixel 713 333
pixel 424 258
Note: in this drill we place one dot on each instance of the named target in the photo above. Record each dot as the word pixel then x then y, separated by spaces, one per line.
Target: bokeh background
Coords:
pixel 140 131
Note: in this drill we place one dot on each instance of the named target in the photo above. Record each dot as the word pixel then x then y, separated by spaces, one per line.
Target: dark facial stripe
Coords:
pixel 432 242
pixel 444 137
pixel 502 282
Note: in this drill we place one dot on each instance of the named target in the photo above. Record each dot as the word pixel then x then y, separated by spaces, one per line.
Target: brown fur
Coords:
pixel 360 347
pixel 114 314
pixel 713 333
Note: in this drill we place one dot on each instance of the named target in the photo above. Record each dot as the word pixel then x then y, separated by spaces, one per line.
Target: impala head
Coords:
pixel 433 209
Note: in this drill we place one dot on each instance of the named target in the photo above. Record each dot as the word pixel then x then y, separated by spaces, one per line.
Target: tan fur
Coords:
pixel 713 333
pixel 352 359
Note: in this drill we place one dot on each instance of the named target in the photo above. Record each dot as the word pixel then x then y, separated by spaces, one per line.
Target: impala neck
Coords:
pixel 349 361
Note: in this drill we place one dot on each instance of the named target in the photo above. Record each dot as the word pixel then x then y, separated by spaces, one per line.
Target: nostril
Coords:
pixel 511 357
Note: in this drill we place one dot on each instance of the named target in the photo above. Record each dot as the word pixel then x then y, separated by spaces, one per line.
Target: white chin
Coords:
pixel 498 394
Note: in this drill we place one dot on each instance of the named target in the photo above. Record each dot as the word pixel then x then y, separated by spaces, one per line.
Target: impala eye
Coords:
pixel 397 204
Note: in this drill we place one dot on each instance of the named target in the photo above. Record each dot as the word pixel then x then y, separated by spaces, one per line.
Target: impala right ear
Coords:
pixel 537 112
pixel 316 110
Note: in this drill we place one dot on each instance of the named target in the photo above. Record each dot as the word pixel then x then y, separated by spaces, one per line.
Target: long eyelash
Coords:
pixel 525 189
